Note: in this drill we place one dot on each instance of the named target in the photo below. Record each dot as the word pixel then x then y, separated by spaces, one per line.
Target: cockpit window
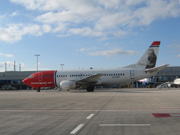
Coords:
pixel 31 76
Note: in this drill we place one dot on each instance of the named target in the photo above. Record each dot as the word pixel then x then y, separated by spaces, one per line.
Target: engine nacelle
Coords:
pixel 67 85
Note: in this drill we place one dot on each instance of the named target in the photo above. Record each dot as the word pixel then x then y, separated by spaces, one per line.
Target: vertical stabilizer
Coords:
pixel 148 60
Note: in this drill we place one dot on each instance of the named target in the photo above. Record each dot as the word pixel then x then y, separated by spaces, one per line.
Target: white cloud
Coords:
pixel 87 32
pixel 134 2
pixel 29 4
pixel 14 32
pixel 98 18
pixel 15 13
pixel 9 34
pixel 155 10
pixel 93 51
pixel 9 55
pixel 113 52
pixel 178 55
pixel 6 55
pixel 86 49
pixel 35 30
pixel 51 5
pixel 64 16
pixel 46 28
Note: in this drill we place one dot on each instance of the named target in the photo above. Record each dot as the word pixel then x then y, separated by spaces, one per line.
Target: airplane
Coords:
pixel 79 79
pixel 177 81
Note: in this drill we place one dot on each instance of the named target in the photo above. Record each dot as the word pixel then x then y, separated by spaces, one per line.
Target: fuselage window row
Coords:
pixel 122 74
pixel 61 75
pixel 114 74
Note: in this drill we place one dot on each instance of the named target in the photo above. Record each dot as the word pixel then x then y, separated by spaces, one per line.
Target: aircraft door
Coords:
pixel 132 74
pixel 40 76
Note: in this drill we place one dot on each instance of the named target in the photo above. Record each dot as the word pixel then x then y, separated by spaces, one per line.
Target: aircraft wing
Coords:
pixel 156 69
pixel 89 80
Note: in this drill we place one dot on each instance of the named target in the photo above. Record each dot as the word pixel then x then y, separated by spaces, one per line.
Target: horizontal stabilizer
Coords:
pixel 156 69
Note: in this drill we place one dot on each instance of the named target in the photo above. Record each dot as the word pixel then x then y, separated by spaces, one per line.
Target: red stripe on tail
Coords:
pixel 155 43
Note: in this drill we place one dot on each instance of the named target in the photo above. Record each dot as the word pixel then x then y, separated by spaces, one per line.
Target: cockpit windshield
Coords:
pixel 31 76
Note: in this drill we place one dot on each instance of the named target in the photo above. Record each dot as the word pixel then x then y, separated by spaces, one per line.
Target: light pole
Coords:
pixel 20 67
pixel 37 59
pixel 62 66
pixel 5 66
pixel 14 65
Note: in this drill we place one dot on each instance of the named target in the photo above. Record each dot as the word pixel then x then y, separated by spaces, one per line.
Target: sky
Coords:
pixel 86 33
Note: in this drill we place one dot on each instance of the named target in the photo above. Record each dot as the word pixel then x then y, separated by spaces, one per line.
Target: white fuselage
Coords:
pixel 109 77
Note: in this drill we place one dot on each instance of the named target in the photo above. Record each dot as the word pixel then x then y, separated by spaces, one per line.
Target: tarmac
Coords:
pixel 145 111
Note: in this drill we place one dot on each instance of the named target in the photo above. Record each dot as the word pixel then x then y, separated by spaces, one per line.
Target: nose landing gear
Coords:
pixel 39 89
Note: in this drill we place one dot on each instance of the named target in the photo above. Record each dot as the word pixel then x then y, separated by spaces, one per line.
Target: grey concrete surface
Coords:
pixel 103 112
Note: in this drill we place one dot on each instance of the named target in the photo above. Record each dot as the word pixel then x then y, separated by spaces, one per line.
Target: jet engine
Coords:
pixel 67 85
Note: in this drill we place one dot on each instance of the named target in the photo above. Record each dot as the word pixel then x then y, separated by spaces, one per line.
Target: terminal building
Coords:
pixel 13 79
pixel 167 74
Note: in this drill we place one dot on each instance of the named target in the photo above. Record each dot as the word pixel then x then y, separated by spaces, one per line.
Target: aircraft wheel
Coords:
pixel 90 89
pixel 38 90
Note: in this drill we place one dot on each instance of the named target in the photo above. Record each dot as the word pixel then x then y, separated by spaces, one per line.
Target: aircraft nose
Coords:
pixel 26 81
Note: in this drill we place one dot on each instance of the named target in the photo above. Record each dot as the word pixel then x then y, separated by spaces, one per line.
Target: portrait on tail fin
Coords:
pixel 151 59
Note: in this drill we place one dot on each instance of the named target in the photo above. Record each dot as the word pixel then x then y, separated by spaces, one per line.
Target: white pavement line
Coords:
pixel 175 114
pixel 90 116
pixel 124 125
pixel 77 129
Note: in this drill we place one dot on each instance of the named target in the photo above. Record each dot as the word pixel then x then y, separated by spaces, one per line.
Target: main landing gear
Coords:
pixel 90 89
